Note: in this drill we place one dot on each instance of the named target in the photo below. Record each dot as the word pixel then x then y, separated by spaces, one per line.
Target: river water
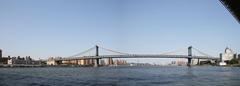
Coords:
pixel 121 76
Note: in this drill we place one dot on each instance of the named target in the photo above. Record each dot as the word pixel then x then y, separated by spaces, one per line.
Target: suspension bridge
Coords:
pixel 95 58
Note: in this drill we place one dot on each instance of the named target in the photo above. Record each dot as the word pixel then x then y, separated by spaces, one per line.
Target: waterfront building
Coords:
pixel 66 62
pixel 227 56
pixel 183 62
pixel 27 60
pixel 178 63
pixel 91 62
pixel 18 60
pixel 3 60
pixel 102 62
pixel 0 53
pixel 77 62
pixel 239 58
pixel 109 61
pixel 120 62
pixel 81 62
pixel 87 62
pixel 73 62
pixel 51 61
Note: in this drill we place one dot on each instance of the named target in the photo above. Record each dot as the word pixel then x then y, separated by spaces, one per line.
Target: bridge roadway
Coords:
pixel 139 56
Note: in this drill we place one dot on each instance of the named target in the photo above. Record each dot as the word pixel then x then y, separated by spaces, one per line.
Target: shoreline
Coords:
pixel 37 66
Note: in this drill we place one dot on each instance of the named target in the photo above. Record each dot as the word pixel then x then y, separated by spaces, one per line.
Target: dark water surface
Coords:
pixel 121 76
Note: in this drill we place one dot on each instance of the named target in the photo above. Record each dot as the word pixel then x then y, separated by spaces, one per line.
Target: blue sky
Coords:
pixel 43 28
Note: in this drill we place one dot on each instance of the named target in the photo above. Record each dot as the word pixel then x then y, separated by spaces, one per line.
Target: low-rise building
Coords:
pixel 120 62
pixel 4 60
pixel 83 62
pixel 27 60
pixel 178 63
pixel 52 61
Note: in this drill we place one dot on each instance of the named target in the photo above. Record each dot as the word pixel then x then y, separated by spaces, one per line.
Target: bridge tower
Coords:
pixel 96 61
pixel 189 56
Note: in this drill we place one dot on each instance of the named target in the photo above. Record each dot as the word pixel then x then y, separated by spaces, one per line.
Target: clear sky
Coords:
pixel 43 28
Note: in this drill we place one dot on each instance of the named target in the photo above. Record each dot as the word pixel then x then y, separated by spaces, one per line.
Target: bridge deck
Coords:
pixel 140 56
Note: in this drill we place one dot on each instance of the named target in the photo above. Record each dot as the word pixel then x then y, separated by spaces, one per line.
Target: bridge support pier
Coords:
pixel 189 56
pixel 189 62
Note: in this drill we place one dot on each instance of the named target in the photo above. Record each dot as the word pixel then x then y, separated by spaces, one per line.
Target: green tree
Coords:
pixel 233 61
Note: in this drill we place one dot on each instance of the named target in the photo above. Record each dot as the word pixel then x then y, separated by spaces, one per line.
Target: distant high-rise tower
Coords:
pixel 0 53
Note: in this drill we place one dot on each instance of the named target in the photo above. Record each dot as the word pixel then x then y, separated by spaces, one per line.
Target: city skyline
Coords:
pixel 62 28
